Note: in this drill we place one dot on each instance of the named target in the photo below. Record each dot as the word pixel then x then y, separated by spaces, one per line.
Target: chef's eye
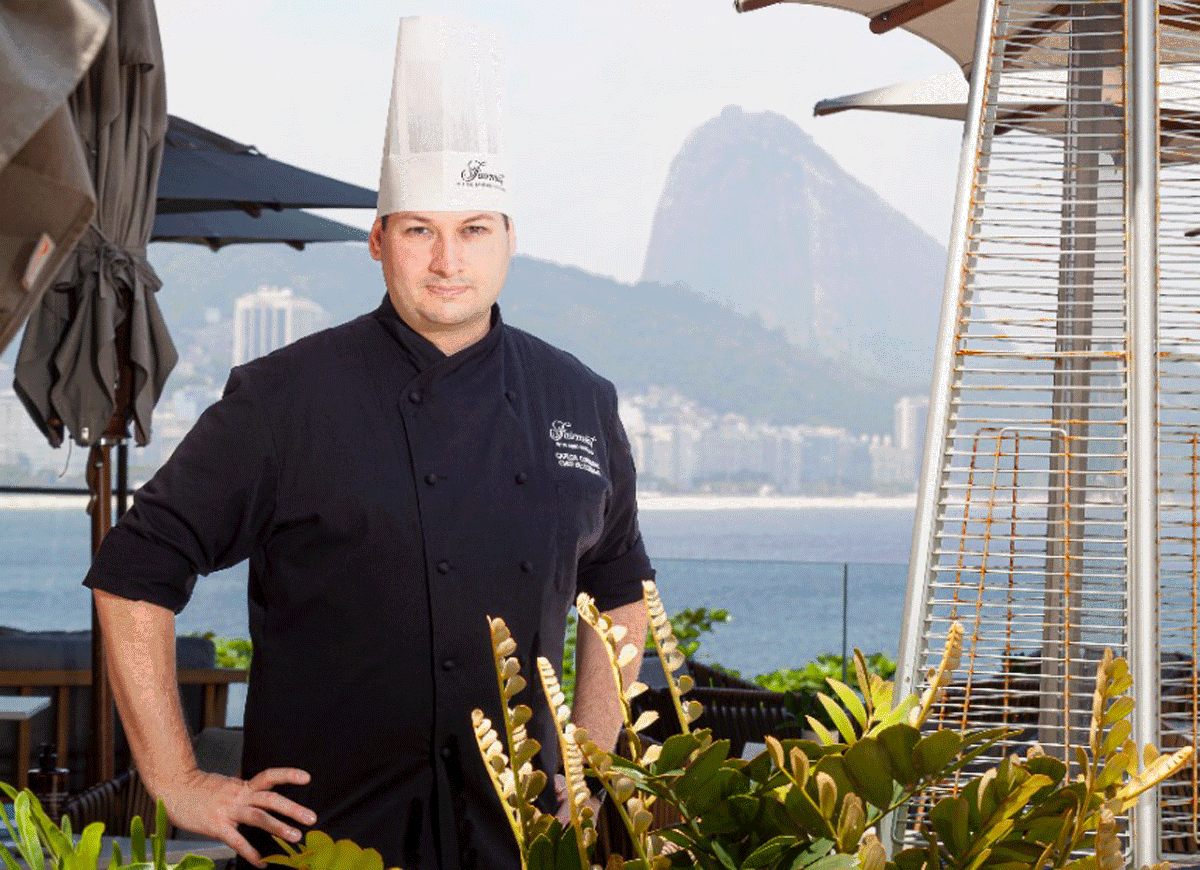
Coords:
pixel 416 230
pixel 476 230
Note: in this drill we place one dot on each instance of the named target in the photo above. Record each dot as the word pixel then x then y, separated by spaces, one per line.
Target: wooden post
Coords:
pixel 101 761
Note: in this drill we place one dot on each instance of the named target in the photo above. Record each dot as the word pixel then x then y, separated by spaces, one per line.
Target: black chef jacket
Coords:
pixel 389 498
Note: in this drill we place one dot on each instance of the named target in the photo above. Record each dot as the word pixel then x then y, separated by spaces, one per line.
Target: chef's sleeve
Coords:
pixel 613 569
pixel 202 511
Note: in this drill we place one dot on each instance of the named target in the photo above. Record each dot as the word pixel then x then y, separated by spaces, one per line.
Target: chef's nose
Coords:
pixel 446 259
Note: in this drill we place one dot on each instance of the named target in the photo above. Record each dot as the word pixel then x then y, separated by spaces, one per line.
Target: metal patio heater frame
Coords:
pixel 1059 495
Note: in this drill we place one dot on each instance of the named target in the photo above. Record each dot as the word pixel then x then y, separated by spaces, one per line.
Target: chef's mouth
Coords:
pixel 447 288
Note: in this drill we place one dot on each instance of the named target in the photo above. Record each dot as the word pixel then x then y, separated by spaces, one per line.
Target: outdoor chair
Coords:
pixel 113 802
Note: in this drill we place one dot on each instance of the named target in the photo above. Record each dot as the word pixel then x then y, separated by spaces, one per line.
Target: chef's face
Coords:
pixel 443 270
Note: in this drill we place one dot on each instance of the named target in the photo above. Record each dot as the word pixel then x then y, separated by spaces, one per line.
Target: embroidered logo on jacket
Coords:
pixel 573 450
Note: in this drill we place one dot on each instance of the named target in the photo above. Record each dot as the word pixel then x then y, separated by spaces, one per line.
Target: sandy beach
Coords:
pixel 34 502
pixel 649 501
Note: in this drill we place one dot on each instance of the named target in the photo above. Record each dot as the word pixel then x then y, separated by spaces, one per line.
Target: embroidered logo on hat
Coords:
pixel 475 176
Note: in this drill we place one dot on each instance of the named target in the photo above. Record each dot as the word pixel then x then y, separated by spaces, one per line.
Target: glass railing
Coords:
pixel 783 614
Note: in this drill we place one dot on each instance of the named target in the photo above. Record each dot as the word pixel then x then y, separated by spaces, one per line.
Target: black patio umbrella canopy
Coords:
pixel 216 229
pixel 205 171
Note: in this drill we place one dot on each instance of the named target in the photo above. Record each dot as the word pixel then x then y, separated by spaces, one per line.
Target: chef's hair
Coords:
pixel 383 219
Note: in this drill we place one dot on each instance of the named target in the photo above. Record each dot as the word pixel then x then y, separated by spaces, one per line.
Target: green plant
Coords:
pixel 232 652
pixel 802 685
pixel 690 624
pixel 36 835
pixel 810 679
pixel 814 804
pixel 802 804
pixel 320 851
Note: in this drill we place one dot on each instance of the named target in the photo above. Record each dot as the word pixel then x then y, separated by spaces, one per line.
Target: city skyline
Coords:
pixel 678 445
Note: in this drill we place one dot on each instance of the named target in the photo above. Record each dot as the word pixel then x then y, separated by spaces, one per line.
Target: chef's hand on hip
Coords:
pixel 213 806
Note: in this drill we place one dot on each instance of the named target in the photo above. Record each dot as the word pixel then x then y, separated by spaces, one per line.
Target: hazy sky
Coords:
pixel 601 95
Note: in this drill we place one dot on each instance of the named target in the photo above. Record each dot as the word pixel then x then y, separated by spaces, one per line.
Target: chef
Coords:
pixel 392 481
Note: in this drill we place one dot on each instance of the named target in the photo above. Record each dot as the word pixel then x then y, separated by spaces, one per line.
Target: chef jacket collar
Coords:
pixel 424 354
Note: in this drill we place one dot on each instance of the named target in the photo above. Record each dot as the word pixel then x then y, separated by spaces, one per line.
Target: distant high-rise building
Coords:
pixel 270 318
pixel 910 414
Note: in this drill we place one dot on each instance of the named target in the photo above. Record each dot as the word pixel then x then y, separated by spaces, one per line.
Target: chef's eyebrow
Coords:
pixel 419 218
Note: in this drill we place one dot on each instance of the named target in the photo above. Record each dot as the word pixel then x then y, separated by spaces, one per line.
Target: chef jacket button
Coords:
pixel 522 477
pixel 445 753
pixel 431 478
pixel 415 397
pixel 447 664
pixel 443 567
pixel 526 566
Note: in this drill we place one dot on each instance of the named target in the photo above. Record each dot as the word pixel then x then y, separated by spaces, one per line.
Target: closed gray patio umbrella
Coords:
pixel 100 316
pixel 45 186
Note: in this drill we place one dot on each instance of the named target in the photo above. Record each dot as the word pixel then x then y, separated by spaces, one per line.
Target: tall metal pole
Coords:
pixel 929 483
pixel 926 525
pixel 122 477
pixel 1141 198
pixel 846 617
pixel 1063 669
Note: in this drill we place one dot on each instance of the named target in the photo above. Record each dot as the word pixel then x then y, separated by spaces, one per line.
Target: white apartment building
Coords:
pixel 910 414
pixel 270 318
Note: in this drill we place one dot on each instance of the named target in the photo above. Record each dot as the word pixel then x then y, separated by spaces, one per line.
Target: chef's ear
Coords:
pixel 375 238
pixel 512 235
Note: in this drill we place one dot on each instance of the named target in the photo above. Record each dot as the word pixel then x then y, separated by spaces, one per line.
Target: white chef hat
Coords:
pixel 443 150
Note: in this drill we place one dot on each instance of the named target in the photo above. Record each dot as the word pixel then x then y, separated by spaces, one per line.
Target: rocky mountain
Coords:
pixel 756 216
pixel 637 335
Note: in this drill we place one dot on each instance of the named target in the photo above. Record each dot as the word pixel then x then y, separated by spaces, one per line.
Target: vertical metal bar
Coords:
pixel 845 616
pixel 925 525
pixel 1141 197
pixel 937 423
pixel 1062 668
pixel 122 477
pixel 24 753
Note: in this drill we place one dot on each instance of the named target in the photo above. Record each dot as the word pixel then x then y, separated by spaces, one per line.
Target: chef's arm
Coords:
pixel 139 639
pixel 597 702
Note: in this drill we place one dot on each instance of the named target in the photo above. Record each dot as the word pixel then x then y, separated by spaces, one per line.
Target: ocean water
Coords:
pixel 777 570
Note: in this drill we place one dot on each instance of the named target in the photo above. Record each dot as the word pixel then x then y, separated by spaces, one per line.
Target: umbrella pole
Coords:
pixel 122 477
pixel 101 765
